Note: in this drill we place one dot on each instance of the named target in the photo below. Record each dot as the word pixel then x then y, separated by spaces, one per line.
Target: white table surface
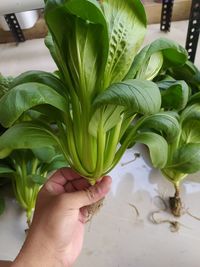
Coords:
pixel 116 237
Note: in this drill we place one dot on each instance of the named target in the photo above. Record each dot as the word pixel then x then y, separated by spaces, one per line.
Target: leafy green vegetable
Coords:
pixel 184 152
pixel 98 90
pixel 28 170
pixel 160 54
pixel 4 84
pixel 156 132
pixel 174 94
pixel 92 107
pixel 189 73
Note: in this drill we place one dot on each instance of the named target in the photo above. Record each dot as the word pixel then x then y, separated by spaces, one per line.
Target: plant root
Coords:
pixel 175 206
pixel 175 203
pixel 193 216
pixel 135 209
pixel 94 209
pixel 174 225
pixel 136 155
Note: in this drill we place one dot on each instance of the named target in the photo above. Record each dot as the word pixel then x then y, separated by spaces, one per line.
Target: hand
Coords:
pixel 56 235
pixel 5 263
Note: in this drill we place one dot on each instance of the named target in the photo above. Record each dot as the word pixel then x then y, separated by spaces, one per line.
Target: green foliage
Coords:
pixel 156 132
pixel 5 84
pixel 184 153
pixel 100 87
pixel 25 163
pixel 174 94
pixel 37 94
pixel 159 55
pixel 28 170
pixel 87 100
pixel 21 136
pixel 189 73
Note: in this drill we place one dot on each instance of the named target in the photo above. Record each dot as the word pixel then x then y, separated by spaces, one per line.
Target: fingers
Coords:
pixel 55 185
pixel 89 196
pixel 63 175
pixel 77 185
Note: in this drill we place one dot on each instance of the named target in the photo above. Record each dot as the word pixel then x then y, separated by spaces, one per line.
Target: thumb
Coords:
pixel 79 199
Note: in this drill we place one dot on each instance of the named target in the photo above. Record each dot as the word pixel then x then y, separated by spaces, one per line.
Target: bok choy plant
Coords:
pixel 95 96
pixel 179 86
pixel 26 169
pixel 93 44
pixel 184 152
pixel 165 63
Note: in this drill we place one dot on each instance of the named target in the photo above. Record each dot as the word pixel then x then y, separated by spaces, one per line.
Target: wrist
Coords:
pixel 32 259
pixel 36 253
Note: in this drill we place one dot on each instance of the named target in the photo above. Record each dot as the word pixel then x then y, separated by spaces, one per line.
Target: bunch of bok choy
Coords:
pixel 26 169
pixel 90 102
pixel 184 153
pixel 96 95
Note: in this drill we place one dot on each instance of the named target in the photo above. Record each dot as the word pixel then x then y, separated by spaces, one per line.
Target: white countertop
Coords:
pixel 116 237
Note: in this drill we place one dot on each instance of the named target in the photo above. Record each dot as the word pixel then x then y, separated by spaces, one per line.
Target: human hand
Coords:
pixel 56 235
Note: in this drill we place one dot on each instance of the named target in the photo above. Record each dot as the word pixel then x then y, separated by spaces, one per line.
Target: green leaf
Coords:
pixel 44 154
pixel 53 51
pixel 80 42
pixel 157 145
pixel 127 28
pixel 174 94
pixel 37 179
pixel 187 158
pixel 42 77
pixel 57 163
pixel 2 205
pixel 173 55
pixel 5 84
pixel 190 113
pixel 135 95
pixel 151 68
pixel 26 96
pixel 195 98
pixel 163 123
pixel 190 122
pixel 189 73
pixel 26 135
pixel 4 169
pixel 191 131
pixel 109 116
